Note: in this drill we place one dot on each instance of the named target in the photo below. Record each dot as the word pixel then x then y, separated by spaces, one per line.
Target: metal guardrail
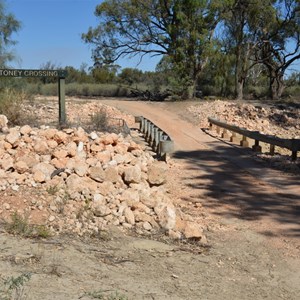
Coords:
pixel 291 144
pixel 159 140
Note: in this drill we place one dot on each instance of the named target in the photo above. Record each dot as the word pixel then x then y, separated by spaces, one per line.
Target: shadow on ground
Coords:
pixel 226 185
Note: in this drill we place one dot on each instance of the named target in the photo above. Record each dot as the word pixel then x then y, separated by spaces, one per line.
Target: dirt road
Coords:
pixel 250 212
pixel 223 177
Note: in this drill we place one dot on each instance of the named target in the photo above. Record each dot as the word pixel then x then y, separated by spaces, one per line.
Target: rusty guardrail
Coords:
pixel 291 144
pixel 159 140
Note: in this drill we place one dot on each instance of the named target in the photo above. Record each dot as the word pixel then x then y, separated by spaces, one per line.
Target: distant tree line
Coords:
pixel 223 48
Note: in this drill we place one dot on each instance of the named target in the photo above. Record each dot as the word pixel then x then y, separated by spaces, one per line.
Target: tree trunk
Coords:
pixel 239 88
pixel 276 86
pixel 189 91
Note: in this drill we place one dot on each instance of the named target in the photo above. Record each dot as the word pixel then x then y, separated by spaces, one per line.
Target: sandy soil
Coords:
pixel 250 212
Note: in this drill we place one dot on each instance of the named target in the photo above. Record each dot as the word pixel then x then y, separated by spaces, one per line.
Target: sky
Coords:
pixel 51 31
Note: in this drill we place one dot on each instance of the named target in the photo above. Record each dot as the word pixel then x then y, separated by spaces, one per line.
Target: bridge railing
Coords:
pixel 291 144
pixel 158 139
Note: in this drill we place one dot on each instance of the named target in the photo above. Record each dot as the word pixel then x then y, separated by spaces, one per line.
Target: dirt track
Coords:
pixel 253 227
pixel 223 177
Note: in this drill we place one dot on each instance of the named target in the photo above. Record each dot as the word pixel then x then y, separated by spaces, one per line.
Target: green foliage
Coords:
pixel 131 76
pixel 180 30
pixel 8 26
pixel 100 120
pixel 13 287
pixel 19 226
pixel 102 295
pixel 11 102
pixel 52 190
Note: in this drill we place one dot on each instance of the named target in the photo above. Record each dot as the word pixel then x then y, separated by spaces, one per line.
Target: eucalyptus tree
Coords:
pixel 242 35
pixel 180 30
pixel 8 25
pixel 279 43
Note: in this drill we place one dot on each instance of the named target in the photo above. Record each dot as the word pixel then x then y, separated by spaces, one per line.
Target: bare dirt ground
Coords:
pixel 250 212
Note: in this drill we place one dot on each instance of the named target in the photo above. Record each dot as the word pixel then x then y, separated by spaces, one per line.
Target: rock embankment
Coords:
pixel 89 181
pixel 280 120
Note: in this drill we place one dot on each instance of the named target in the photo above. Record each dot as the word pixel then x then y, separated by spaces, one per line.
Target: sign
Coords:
pixel 59 74
pixel 32 73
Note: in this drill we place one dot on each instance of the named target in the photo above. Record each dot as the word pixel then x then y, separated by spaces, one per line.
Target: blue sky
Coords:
pixel 51 31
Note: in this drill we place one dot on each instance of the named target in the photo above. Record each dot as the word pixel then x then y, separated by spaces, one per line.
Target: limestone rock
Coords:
pixel 132 174
pixel 193 230
pixel 157 173
pixel 3 122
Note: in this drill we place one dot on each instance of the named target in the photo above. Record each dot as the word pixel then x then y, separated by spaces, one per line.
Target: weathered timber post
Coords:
pixel 272 149
pixel 234 138
pixel 256 147
pixel 225 134
pixel 244 142
pixel 294 155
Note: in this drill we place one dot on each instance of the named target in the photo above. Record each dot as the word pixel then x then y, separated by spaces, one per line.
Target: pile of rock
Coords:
pixel 93 180
pixel 281 120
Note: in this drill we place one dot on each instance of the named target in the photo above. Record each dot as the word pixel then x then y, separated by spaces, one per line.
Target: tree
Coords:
pixel 181 30
pixel 279 43
pixel 242 32
pixel 104 73
pixel 8 25
pixel 130 76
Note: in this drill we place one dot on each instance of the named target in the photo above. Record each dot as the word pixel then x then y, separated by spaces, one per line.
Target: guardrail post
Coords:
pixel 244 142
pixel 225 134
pixel 166 147
pixel 272 149
pixel 151 139
pixel 159 138
pixel 256 147
pixel 155 141
pixel 294 155
pixel 148 124
pixel 234 138
pixel 142 124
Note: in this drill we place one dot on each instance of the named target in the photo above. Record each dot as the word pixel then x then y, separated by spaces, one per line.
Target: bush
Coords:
pixel 11 102
pixel 19 226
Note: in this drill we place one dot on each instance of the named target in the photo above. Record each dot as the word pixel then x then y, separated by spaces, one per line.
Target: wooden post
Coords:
pixel 294 155
pixel 256 147
pixel 244 142
pixel 234 138
pixel 272 149
pixel 225 134
pixel 62 101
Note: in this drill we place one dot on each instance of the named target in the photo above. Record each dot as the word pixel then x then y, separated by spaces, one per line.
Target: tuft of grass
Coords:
pixel 11 102
pixel 13 287
pixel 52 190
pixel 100 120
pixel 19 225
pixel 100 294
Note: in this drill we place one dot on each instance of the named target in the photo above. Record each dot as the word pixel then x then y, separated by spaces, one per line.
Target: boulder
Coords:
pixel 157 173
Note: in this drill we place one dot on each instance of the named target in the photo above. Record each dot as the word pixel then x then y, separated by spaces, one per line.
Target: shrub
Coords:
pixel 13 287
pixel 11 102
pixel 19 226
